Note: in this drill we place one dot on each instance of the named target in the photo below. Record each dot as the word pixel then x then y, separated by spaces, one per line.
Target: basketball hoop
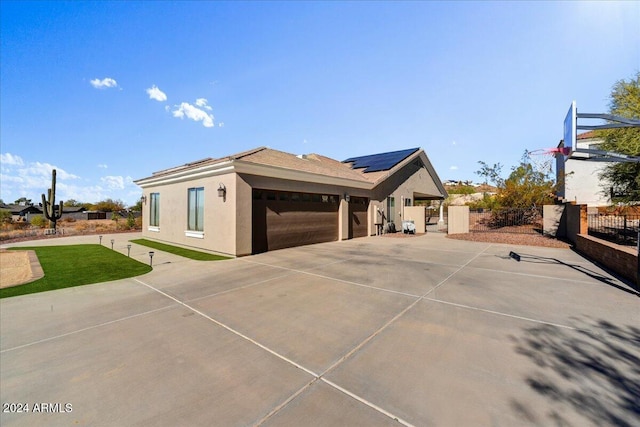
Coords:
pixel 543 159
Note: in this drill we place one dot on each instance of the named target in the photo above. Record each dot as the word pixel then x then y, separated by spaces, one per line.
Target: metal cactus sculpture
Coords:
pixel 49 206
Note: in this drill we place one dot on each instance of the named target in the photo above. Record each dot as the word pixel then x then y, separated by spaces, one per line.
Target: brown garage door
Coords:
pixel 358 224
pixel 284 219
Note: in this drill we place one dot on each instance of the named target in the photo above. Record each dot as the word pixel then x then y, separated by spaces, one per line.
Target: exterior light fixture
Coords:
pixel 111 244
pixel 100 237
pixel 151 258
pixel 143 199
pixel 128 250
pixel 347 197
pixel 222 190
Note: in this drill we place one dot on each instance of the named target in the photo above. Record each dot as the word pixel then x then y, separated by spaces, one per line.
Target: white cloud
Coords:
pixel 203 103
pixel 113 182
pixel 102 166
pixel 10 159
pixel 221 124
pixel 31 179
pixel 453 168
pixel 157 94
pixel 194 113
pixel 105 83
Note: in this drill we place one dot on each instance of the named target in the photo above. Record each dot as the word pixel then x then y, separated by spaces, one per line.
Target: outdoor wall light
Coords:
pixel 111 244
pixel 222 190
pixel 151 258
pixel 128 250
pixel 143 199
pixel 347 197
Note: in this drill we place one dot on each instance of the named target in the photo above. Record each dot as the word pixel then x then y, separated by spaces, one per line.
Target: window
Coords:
pixel 154 210
pixel 196 209
pixel 407 202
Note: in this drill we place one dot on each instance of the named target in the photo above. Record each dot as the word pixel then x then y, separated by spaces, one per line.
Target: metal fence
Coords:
pixel 519 221
pixel 621 229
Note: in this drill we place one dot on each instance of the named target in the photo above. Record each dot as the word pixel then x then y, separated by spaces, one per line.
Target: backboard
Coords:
pixel 570 129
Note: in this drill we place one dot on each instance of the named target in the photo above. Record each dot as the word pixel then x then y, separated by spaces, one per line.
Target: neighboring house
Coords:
pixel 22 212
pixel 25 212
pixel 265 199
pixel 581 183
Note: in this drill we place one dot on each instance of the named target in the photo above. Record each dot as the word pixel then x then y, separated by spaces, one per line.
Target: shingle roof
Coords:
pixel 313 163
pixel 310 163
pixel 587 135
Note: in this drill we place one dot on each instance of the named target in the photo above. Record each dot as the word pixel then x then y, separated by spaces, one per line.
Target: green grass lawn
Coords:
pixel 75 265
pixel 187 253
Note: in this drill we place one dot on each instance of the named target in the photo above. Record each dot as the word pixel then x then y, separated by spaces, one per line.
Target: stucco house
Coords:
pixel 578 179
pixel 265 199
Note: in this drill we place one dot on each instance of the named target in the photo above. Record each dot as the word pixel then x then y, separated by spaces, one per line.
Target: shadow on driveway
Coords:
pixel 595 370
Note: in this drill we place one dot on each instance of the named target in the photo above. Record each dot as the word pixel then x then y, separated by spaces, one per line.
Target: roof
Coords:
pixel 587 135
pixel 363 172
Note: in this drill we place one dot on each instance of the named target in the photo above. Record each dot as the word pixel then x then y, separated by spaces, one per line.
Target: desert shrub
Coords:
pixel 39 221
pixel 5 216
pixel 131 221
pixel 68 219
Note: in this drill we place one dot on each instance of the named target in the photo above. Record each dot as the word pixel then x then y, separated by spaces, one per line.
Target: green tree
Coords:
pixel 137 207
pixel 526 187
pixel 491 173
pixel 529 186
pixel 623 179
pixel 109 205
pixel 73 203
pixel 22 200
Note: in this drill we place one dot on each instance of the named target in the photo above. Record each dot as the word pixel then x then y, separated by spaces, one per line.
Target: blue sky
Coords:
pixel 109 92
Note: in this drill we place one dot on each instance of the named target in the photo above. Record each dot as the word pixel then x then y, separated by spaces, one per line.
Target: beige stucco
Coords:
pixel 219 214
pixel 228 221
pixel 417 215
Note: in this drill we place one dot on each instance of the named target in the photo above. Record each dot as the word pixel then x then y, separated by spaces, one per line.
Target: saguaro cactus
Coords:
pixel 49 206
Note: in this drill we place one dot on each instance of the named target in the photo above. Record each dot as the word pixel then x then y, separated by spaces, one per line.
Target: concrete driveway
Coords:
pixel 373 331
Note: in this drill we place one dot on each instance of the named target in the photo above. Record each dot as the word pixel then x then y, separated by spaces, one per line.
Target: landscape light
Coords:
pixel 111 244
pixel 100 237
pixel 128 250
pixel 151 258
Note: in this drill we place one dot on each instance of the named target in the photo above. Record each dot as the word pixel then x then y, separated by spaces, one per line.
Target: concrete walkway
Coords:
pixel 372 331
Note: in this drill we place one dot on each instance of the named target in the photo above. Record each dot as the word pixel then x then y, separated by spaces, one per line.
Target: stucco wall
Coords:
pixel 412 180
pixel 219 214
pixel 244 223
pixel 458 219
pixel 417 215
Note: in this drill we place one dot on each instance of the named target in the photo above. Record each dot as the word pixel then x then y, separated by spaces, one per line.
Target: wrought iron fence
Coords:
pixel 520 221
pixel 621 229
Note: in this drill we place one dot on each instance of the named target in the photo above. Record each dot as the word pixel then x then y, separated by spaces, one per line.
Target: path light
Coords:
pixel 111 244
pixel 128 250
pixel 151 258
pixel 100 237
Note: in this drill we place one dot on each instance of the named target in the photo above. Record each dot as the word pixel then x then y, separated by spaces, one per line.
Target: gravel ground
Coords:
pixel 512 239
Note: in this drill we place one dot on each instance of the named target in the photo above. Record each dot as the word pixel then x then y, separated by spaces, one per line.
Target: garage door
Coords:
pixel 284 219
pixel 358 225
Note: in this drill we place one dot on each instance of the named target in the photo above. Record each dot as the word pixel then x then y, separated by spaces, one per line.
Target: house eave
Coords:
pixel 250 168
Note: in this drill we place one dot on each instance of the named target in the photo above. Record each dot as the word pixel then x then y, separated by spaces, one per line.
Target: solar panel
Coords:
pixel 380 162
